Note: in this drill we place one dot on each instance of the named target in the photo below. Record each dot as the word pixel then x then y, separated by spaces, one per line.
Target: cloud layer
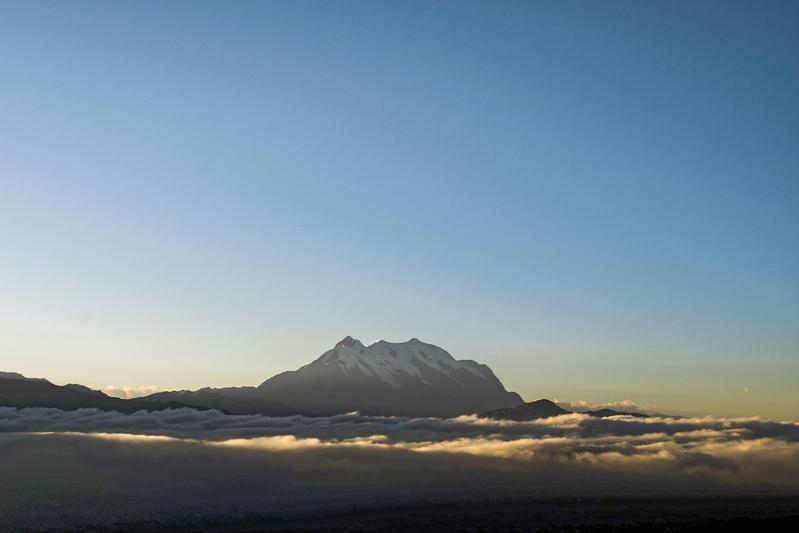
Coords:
pixel 128 392
pixel 182 457
pixel 620 405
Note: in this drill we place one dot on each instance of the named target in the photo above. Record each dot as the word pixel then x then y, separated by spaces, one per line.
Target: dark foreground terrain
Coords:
pixel 510 515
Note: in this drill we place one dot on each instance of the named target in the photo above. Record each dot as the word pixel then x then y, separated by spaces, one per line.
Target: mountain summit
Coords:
pixel 404 378
pixel 392 363
pixel 410 378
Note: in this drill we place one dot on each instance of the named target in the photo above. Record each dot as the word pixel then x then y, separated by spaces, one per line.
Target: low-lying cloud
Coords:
pixel 213 425
pixel 620 405
pixel 127 392
pixel 250 462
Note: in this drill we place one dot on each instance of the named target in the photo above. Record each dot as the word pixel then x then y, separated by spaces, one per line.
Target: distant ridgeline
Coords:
pixel 18 391
pixel 546 409
pixel 410 378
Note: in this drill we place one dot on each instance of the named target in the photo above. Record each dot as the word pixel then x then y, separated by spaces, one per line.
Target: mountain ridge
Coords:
pixel 409 378
pixel 22 392
pixel 544 408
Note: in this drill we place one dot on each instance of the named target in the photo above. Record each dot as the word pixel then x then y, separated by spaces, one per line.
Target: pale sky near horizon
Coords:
pixel 598 200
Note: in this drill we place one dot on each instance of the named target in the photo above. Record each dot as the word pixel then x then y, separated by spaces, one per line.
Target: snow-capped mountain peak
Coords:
pixel 349 341
pixel 411 378
pixel 390 361
pixel 399 378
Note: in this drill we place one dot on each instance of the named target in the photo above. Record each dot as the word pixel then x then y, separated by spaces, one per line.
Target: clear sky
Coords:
pixel 600 200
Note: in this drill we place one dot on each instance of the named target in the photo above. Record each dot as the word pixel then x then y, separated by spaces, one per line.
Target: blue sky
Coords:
pixel 599 200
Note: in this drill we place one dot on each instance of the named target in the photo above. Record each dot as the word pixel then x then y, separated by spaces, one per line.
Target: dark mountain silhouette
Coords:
pixel 410 378
pixel 234 400
pixel 84 388
pixel 19 391
pixel 544 409
pixel 15 375
pixel 527 411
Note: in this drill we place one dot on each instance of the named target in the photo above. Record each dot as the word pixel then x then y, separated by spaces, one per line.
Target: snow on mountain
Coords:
pixel 405 378
pixel 410 378
pixel 388 361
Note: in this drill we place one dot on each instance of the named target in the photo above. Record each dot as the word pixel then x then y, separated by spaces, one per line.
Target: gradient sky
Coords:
pixel 600 200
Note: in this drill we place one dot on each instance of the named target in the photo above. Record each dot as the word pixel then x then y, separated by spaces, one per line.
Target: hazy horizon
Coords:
pixel 582 403
pixel 600 202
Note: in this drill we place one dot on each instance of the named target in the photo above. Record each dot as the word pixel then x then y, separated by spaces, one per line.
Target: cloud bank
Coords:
pixel 207 460
pixel 620 405
pixel 127 392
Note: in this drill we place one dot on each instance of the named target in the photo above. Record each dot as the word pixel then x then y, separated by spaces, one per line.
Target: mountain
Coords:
pixel 84 388
pixel 234 400
pixel 410 378
pixel 545 409
pixel 15 375
pixel 527 411
pixel 18 391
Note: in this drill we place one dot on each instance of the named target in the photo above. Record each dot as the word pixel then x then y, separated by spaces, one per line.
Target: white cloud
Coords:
pixel 620 405
pixel 128 392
